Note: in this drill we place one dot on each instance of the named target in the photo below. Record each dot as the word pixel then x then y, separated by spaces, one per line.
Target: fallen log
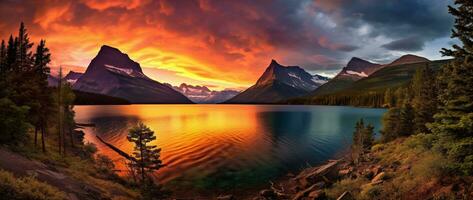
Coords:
pixel 116 149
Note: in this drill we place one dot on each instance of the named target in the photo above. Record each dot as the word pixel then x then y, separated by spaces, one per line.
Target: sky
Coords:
pixel 228 44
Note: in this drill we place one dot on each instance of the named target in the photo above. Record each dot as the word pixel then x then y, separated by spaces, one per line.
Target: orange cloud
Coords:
pixel 201 42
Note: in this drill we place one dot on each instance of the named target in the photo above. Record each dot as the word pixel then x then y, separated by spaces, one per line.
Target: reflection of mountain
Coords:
pixel 285 123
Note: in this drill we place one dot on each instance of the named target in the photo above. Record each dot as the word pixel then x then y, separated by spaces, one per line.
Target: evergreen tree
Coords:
pixel 454 120
pixel 42 57
pixel 406 120
pixel 391 124
pixel 3 56
pixel 389 100
pixel 24 56
pixel 363 139
pixel 425 98
pixel 146 155
pixel 11 54
pixel 462 30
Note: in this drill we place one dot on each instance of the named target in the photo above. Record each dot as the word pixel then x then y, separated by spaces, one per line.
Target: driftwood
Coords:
pixel 319 171
pixel 81 125
pixel 120 152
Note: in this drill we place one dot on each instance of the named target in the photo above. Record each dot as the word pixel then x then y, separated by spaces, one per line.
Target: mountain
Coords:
pixel 279 83
pixel 390 76
pixel 202 94
pixel 408 59
pixel 52 81
pixel 356 69
pixel 72 77
pixel 113 73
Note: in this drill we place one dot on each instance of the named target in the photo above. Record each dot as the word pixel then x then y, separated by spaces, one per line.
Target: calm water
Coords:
pixel 229 147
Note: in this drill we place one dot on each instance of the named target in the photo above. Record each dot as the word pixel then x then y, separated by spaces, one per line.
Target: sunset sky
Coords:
pixel 228 44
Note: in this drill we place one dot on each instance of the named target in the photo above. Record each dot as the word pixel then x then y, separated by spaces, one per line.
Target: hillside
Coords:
pixel 389 77
pixel 279 83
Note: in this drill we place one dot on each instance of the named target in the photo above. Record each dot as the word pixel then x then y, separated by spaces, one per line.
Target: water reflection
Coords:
pixel 227 147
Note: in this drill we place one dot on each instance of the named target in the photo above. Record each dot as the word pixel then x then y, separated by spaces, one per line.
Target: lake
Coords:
pixel 229 148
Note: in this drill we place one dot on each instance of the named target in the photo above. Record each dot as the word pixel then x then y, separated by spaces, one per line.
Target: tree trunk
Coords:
pixel 42 137
pixel 35 136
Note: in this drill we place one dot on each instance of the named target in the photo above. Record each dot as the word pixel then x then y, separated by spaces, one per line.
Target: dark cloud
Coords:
pixel 234 39
pixel 406 44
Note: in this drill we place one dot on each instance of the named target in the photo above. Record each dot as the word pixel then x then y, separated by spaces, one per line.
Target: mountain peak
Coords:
pixel 274 63
pixel 409 58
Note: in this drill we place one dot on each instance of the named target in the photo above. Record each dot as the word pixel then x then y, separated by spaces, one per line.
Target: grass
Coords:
pixel 79 164
pixel 27 188
pixel 414 168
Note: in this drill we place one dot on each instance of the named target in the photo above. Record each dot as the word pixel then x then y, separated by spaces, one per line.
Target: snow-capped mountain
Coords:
pixel 202 94
pixel 358 68
pixel 72 77
pixel 279 83
pixel 113 73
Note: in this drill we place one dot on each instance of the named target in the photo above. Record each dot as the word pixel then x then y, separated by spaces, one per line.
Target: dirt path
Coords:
pixel 21 166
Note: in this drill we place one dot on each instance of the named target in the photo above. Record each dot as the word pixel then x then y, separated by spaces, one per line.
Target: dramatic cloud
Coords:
pixel 406 44
pixel 229 43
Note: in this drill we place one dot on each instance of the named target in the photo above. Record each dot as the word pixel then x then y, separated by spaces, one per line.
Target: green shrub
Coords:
pixel 13 122
pixel 26 188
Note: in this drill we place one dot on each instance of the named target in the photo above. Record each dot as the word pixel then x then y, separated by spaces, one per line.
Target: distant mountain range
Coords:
pixel 278 83
pixel 387 76
pixel 202 94
pixel 114 74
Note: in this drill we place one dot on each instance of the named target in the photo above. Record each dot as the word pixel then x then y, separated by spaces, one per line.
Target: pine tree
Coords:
pixel 454 120
pixel 24 49
pixel 363 139
pixel 391 124
pixel 42 57
pixel 462 30
pixel 425 98
pixel 146 155
pixel 3 56
pixel 11 54
pixel 406 120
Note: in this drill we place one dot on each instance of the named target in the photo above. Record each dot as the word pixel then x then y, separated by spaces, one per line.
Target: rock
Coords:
pixel 345 196
pixel 344 172
pixel 268 194
pixel 226 197
pixel 303 182
pixel 320 185
pixel 376 169
pixel 378 177
pixel 317 194
pixel 303 193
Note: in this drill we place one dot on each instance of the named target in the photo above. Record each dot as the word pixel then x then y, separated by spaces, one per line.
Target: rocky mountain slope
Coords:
pixel 278 83
pixel 113 73
pixel 202 94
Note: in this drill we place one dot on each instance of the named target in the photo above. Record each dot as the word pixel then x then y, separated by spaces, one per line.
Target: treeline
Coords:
pixel 27 104
pixel 369 99
pixel 437 106
pixel 87 98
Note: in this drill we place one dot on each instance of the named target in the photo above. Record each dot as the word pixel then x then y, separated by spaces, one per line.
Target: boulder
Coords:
pixel 226 197
pixel 378 177
pixel 317 194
